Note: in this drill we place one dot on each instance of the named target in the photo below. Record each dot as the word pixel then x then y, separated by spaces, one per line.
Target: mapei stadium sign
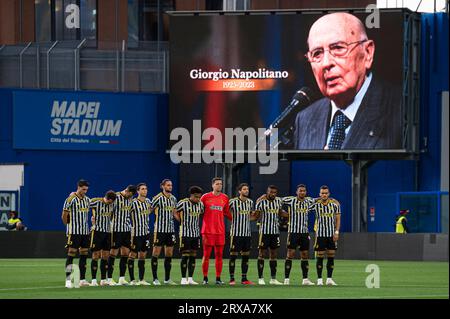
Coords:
pixel 84 121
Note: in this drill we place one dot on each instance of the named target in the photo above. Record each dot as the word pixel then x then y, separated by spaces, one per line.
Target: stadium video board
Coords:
pixel 310 81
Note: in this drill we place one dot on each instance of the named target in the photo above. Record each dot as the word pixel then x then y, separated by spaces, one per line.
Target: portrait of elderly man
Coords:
pixel 358 110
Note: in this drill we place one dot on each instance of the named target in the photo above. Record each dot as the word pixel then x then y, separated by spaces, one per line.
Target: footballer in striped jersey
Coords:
pixel 102 208
pixel 188 214
pixel 164 206
pixel 242 211
pixel 140 234
pixel 75 217
pixel 268 209
pixel 121 234
pixel 298 208
pixel 327 224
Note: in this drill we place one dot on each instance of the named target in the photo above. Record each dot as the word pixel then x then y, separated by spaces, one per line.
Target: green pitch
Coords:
pixel 44 278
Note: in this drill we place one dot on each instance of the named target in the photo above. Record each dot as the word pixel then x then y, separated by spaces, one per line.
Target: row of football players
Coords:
pixel 120 224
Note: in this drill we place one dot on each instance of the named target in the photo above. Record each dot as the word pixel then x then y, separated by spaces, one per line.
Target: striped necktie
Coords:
pixel 340 123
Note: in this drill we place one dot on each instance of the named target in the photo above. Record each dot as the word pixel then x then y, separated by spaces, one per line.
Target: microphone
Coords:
pixel 301 100
pixel 284 123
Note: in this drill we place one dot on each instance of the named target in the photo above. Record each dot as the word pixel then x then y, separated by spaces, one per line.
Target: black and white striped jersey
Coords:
pixel 240 211
pixel 190 217
pixel 78 208
pixel 298 213
pixel 163 208
pixel 102 213
pixel 269 210
pixel 140 211
pixel 325 223
pixel 121 214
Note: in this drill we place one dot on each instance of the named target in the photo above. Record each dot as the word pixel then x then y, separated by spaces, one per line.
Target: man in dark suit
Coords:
pixel 357 111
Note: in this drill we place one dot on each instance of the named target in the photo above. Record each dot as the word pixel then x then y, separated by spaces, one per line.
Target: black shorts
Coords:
pixel 296 240
pixel 189 243
pixel 100 241
pixel 140 243
pixel 269 241
pixel 164 239
pixel 240 244
pixel 325 243
pixel 120 239
pixel 78 241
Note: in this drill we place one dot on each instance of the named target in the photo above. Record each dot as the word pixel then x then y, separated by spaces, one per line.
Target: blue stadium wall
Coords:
pixel 51 175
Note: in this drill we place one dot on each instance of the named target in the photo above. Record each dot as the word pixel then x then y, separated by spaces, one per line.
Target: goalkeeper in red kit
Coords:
pixel 213 228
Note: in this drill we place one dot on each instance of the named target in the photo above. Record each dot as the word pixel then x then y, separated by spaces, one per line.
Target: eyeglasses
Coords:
pixel 338 50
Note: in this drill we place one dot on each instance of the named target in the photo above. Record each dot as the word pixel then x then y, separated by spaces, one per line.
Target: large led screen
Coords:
pixel 310 81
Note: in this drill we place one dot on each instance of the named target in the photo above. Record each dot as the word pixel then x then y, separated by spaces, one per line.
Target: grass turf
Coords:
pixel 44 278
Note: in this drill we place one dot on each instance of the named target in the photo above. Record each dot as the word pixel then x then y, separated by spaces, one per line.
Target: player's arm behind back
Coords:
pixel 177 211
pixel 338 221
pixel 65 217
pixel 227 212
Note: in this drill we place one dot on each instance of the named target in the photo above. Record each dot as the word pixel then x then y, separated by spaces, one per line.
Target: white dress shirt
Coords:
pixel 351 110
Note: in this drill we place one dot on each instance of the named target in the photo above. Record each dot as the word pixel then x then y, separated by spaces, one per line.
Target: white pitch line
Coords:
pixel 363 297
pixel 374 297
pixel 414 286
pixel 31 266
pixel 403 297
pixel 30 288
